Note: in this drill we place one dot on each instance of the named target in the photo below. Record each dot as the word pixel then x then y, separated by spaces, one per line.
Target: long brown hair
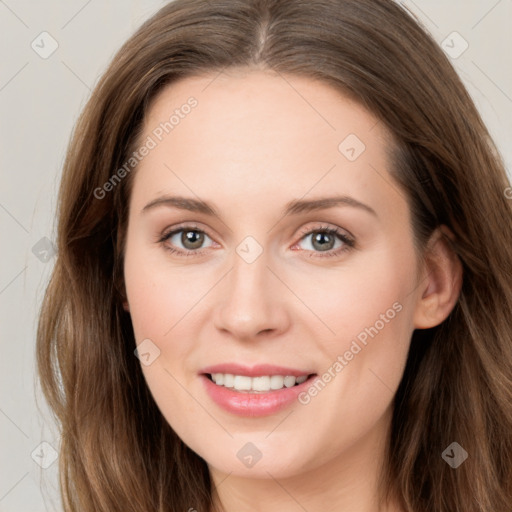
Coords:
pixel 118 453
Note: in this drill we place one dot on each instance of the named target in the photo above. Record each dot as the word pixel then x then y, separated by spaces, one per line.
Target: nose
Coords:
pixel 252 302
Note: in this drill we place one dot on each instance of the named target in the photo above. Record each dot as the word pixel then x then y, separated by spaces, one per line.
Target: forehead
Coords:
pixel 265 103
pixel 260 131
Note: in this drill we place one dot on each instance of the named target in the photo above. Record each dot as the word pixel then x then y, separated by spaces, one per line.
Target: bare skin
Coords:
pixel 251 145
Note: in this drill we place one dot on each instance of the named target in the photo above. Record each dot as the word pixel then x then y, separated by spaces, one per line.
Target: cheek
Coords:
pixel 158 297
pixel 369 311
pixel 357 301
pixel 157 293
pixel 350 299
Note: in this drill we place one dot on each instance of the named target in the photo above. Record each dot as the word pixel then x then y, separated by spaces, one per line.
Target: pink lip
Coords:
pixel 252 404
pixel 254 371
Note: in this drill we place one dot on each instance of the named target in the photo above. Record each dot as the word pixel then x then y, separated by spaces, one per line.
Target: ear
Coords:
pixel 442 282
pixel 126 306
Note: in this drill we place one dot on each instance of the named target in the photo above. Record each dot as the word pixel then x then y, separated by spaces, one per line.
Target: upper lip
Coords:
pixel 254 371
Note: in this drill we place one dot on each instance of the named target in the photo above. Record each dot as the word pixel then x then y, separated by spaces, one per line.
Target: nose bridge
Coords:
pixel 251 300
pixel 249 280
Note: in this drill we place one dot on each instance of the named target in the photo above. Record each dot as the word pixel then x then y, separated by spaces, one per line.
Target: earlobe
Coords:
pixel 126 306
pixel 441 286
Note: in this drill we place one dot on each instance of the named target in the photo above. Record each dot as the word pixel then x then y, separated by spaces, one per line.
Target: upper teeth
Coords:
pixel 263 383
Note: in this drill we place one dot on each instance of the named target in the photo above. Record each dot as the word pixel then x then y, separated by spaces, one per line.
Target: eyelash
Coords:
pixel 348 242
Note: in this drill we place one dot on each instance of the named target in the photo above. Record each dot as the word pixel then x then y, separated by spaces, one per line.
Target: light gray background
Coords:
pixel 40 100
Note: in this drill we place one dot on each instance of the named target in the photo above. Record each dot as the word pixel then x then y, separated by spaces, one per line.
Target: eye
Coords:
pixel 185 240
pixel 327 240
pixel 323 241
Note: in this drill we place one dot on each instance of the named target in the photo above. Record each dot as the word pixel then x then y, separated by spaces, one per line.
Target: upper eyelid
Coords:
pixel 183 227
pixel 326 227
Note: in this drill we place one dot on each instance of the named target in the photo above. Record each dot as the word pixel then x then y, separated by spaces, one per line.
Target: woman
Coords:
pixel 199 349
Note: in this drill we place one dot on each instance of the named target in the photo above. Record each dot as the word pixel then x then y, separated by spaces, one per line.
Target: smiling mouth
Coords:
pixel 258 384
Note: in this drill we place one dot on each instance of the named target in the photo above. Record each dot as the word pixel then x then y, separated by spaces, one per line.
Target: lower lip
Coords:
pixel 254 404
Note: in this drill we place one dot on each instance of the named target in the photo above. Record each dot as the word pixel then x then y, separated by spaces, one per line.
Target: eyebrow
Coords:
pixel 295 207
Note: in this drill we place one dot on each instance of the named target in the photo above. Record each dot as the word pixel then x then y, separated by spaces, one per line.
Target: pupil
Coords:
pixel 192 239
pixel 320 238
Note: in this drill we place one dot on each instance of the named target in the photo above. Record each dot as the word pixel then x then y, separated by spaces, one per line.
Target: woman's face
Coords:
pixel 245 173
